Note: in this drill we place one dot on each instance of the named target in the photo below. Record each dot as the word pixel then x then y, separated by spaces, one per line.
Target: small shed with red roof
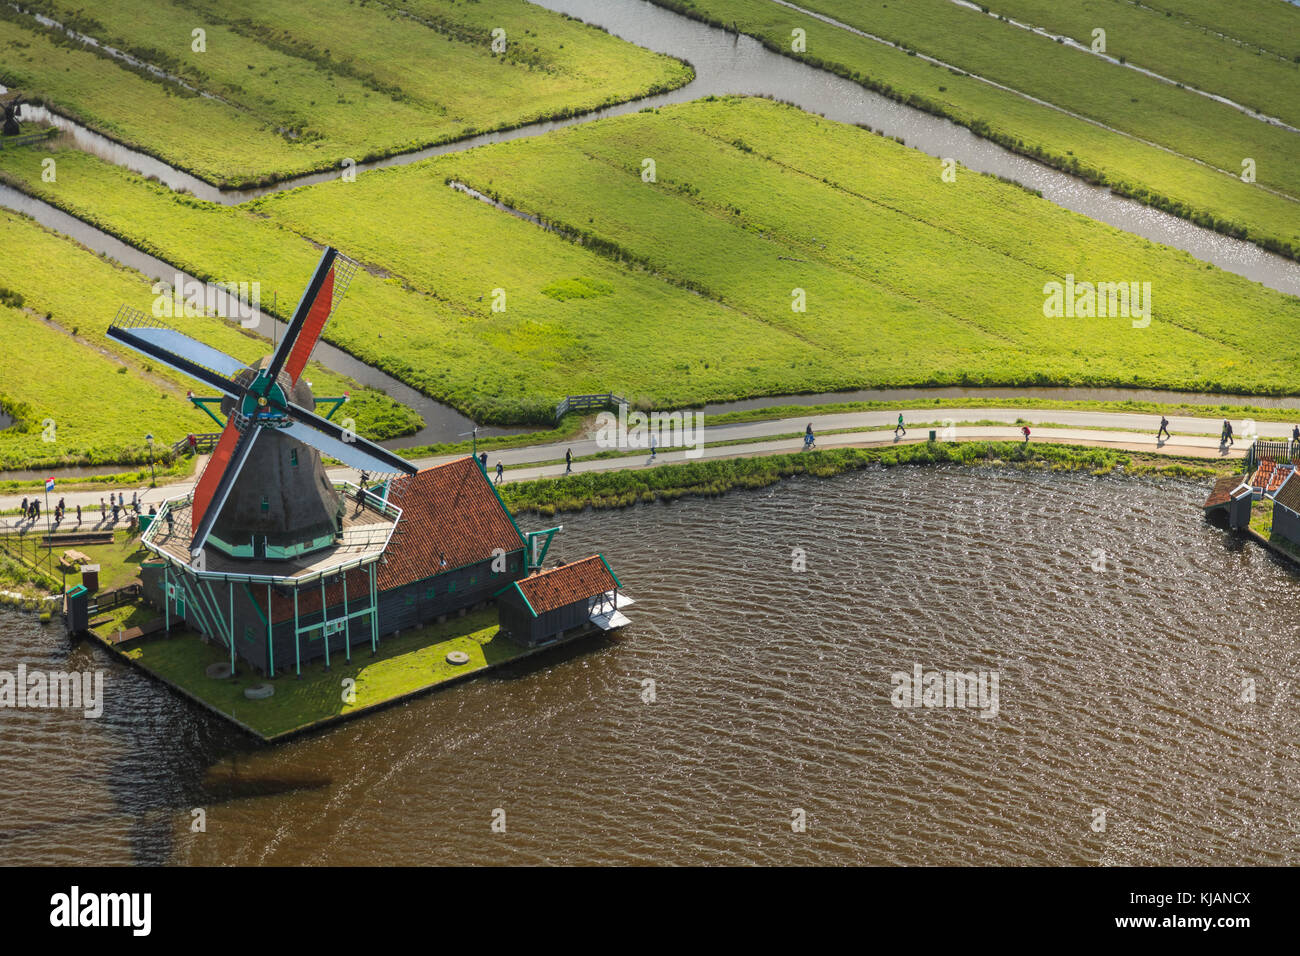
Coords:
pixel 560 602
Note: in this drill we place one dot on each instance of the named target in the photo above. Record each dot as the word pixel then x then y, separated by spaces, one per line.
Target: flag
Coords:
pixel 49 484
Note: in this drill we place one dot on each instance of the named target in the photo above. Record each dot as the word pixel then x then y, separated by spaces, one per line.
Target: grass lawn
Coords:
pixel 1120 112
pixel 103 398
pixel 684 285
pixel 405 664
pixel 288 93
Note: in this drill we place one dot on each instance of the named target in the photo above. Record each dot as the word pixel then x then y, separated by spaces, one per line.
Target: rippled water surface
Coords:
pixel 1120 690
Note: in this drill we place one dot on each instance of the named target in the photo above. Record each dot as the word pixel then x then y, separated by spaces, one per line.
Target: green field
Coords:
pixel 679 291
pixel 287 92
pixel 101 398
pixel 1145 138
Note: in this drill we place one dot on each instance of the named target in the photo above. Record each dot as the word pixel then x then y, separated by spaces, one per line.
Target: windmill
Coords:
pixel 9 108
pixel 264 482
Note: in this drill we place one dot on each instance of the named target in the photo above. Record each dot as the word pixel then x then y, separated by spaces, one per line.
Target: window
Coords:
pixel 293 458
pixel 249 636
pixel 266 503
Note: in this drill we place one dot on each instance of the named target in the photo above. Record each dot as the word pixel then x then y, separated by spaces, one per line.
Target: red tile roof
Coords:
pixel 1269 476
pixel 449 510
pixel 1289 496
pixel 556 587
pixel 1222 492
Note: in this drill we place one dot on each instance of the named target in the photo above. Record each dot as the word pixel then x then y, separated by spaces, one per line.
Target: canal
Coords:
pixel 1124 629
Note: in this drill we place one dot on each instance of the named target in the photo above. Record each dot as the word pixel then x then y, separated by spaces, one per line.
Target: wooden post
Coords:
pixel 270 633
pixel 324 620
pixel 297 651
pixel 231 585
pixel 347 623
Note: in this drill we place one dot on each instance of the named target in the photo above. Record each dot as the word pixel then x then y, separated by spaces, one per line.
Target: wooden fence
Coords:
pixel 204 442
pixel 578 403
pixel 25 139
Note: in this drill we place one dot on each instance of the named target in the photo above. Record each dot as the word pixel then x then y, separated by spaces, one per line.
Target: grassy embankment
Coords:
pixel 1171 148
pixel 101 398
pixel 406 664
pixel 290 94
pixel 619 489
pixel 683 286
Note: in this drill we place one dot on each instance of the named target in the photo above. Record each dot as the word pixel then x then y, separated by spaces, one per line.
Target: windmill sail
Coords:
pixel 218 478
pixel 148 335
pixel 328 284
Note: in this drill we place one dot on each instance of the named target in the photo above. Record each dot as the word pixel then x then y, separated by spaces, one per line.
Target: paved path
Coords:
pixel 1103 429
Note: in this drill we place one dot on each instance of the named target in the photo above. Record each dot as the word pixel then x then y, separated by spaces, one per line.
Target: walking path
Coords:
pixel 1121 431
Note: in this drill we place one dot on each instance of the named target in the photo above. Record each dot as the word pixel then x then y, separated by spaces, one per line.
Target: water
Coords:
pixel 1119 690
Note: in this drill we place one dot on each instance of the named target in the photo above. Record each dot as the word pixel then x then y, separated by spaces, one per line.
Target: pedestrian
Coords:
pixel 1025 431
pixel 500 472
pixel 653 450
pixel 102 510
pixel 135 502
pixel 568 460
pixel 899 427
pixel 1226 437
pixel 168 515
pixel 482 461
pixel 24 507
pixel 1164 428
pixel 62 506
pixel 114 511
pixel 78 516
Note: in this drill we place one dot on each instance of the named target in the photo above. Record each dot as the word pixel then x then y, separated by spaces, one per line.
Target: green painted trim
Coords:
pixel 249 590
pixel 609 569
pixel 522 540
pixel 336 404
pixel 202 405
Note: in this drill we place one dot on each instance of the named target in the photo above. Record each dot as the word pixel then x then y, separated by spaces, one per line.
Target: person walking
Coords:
pixel 1164 429
pixel 135 502
pixel 809 439
pixel 500 472
pixel 24 508
pixel 899 427
pixel 78 516
pixel 1226 437
pixel 653 450
pixel 568 461
pixel 1025 431
pixel 103 511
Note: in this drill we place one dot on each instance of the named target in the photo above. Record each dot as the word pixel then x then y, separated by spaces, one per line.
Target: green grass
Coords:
pixel 405 664
pixel 708 479
pixel 909 281
pixel 103 398
pixel 1190 130
pixel 291 93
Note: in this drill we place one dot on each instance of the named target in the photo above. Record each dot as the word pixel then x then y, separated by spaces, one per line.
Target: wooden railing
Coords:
pixel 575 403
pixel 203 442
pixel 1279 451
pixel 24 139
pixel 107 600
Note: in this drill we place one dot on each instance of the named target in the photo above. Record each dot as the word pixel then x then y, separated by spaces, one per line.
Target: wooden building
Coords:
pixel 1233 496
pixel 562 602
pixel 1286 510
pixel 451 545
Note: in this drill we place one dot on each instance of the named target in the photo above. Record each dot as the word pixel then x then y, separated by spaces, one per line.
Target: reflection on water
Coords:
pixel 1120 689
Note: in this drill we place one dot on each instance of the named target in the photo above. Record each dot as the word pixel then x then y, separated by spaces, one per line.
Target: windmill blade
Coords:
pixel 348 447
pixel 218 478
pixel 176 350
pixel 328 284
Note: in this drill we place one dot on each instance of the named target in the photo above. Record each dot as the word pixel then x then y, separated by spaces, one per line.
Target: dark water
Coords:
pixel 1118 690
